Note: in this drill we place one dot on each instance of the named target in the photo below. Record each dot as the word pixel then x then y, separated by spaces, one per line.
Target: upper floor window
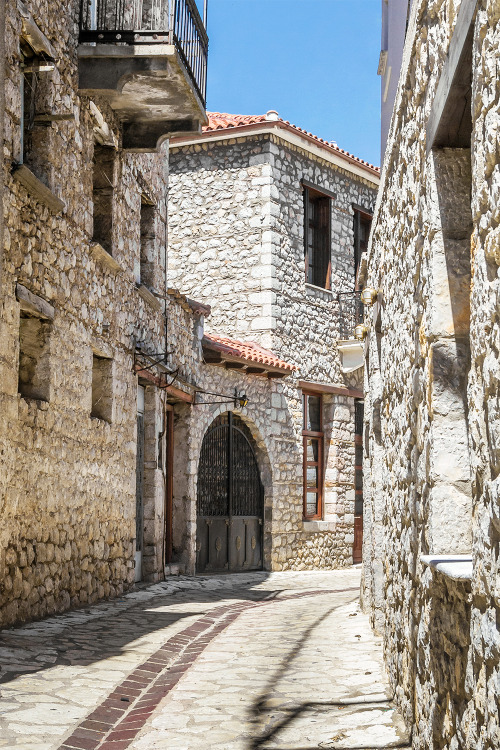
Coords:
pixel 34 357
pixel 312 435
pixel 36 122
pixel 362 225
pixel 317 237
pixel 102 388
pixel 102 194
pixel 145 264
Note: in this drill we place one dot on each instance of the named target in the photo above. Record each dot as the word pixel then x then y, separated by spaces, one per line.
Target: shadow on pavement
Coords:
pixel 83 637
pixel 262 710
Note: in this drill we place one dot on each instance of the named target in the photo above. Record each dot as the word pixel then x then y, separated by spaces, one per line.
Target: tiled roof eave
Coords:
pixel 236 131
pixel 222 354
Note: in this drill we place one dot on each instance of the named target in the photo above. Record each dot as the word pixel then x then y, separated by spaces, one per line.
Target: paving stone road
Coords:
pixel 257 661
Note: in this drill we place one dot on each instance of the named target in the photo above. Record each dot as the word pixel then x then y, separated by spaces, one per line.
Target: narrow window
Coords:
pixel 34 359
pixel 312 436
pixel 102 193
pixel 362 225
pixel 145 267
pixel 29 90
pixel 36 140
pixel 317 238
pixel 102 388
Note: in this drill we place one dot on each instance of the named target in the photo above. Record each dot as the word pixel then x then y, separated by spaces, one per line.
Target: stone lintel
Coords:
pixel 103 257
pixel 37 189
pixel 33 304
pixel 149 297
pixel 338 390
pixel 34 35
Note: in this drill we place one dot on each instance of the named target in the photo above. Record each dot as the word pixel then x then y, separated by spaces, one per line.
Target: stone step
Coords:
pixel 174 569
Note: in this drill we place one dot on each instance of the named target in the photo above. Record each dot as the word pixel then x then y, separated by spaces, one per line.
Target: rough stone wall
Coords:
pixel 431 401
pixel 273 415
pixel 236 243
pixel 306 327
pixel 67 485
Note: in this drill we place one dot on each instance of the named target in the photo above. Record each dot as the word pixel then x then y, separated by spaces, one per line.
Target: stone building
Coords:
pixel 432 504
pixel 266 226
pixel 89 101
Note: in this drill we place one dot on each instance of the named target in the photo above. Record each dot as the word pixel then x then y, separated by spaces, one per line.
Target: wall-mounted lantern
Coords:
pixel 360 332
pixel 368 296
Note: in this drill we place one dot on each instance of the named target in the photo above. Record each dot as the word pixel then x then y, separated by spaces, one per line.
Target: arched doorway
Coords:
pixel 230 499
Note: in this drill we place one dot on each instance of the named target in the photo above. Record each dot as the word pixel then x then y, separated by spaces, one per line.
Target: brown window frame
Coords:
pixel 319 436
pixel 361 215
pixel 322 246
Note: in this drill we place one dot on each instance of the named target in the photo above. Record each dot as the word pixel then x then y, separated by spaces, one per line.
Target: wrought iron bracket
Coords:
pixel 237 400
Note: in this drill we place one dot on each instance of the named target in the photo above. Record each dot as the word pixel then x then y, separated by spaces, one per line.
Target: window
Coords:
pixel 102 193
pixel 102 388
pixel 34 357
pixel 36 141
pixel 362 225
pixel 144 272
pixel 317 238
pixel 312 436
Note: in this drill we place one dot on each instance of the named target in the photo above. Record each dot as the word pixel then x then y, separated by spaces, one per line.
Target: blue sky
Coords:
pixel 314 61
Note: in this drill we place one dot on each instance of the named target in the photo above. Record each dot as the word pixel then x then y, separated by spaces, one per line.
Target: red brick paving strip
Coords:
pixel 116 722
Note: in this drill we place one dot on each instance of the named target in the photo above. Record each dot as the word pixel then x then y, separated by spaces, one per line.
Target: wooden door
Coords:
pixel 169 488
pixel 139 484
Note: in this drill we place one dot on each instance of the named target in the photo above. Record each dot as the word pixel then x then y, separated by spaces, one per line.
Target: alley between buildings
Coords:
pixel 240 662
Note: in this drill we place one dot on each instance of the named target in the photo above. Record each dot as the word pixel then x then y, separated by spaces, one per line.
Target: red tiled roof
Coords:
pixel 221 120
pixel 247 350
pixel 224 121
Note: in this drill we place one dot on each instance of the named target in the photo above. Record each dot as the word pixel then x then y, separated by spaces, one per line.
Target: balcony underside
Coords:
pixel 148 87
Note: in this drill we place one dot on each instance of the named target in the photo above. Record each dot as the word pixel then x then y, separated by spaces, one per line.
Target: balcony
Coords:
pixel 148 58
pixel 350 314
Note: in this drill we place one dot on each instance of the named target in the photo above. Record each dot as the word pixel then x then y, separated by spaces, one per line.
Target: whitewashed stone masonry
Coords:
pixel 236 242
pixel 432 384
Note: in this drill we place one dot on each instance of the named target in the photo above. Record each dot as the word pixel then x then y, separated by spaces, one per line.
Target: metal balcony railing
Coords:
pixel 150 22
pixel 350 313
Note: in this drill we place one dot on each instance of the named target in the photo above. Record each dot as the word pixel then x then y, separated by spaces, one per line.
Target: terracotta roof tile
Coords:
pixel 224 120
pixel 247 350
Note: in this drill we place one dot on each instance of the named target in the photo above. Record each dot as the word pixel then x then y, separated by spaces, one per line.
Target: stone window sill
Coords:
pixel 456 567
pixel 318 291
pixel 103 257
pixel 37 189
pixel 315 526
pixel 149 297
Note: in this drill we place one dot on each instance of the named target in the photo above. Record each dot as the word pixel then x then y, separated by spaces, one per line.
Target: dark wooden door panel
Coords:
pixel 230 500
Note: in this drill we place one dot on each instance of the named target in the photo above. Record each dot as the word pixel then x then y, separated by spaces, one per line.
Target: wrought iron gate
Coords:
pixel 230 499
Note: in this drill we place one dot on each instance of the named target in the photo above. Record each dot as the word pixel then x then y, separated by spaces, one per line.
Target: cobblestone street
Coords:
pixel 240 662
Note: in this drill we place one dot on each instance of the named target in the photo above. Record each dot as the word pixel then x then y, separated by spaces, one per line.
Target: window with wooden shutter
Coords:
pixel 313 439
pixel 317 237
pixel 362 226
